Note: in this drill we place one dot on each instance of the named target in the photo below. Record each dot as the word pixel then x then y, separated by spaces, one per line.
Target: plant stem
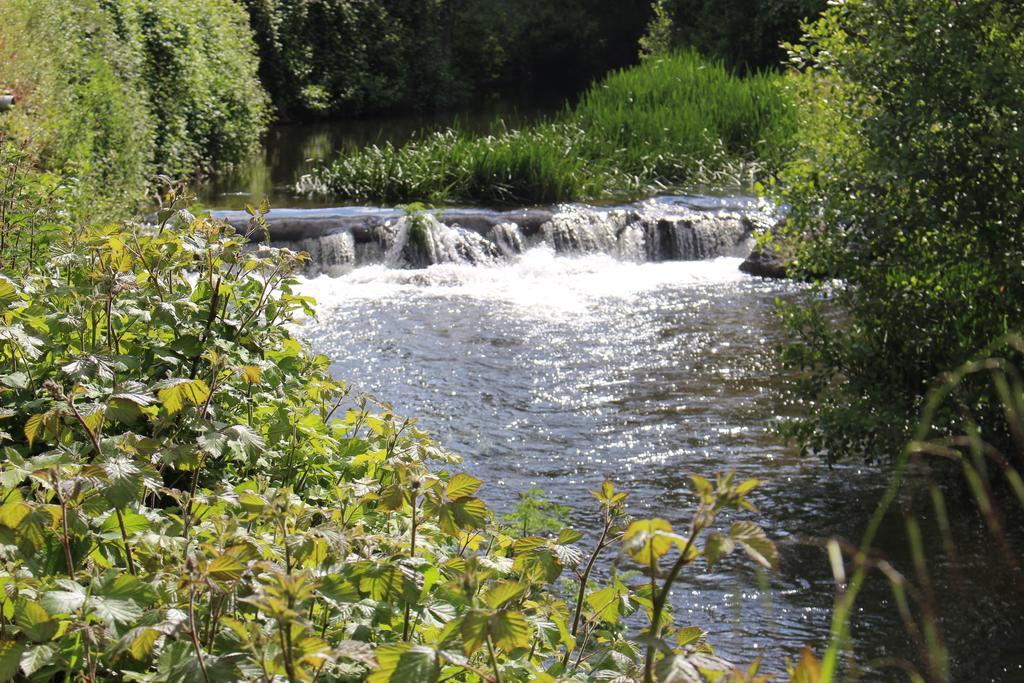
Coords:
pixel 64 539
pixel 661 598
pixel 494 660
pixel 412 554
pixel 124 540
pixel 192 630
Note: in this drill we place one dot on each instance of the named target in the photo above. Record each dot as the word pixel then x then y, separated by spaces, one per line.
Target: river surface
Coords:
pixel 557 371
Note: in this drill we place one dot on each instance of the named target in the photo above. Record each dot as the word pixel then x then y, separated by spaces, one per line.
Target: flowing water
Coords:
pixel 555 347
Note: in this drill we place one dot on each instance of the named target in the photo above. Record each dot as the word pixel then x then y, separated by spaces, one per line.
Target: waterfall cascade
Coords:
pixel 661 229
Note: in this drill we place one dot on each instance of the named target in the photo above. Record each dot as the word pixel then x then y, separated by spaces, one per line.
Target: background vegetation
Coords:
pixel 345 57
pixel 745 34
pixel 673 119
pixel 114 92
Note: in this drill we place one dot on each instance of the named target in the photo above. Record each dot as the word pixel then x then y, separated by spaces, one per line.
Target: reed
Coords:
pixel 667 123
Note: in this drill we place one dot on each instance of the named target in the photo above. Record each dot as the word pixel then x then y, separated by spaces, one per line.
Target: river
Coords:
pixel 556 368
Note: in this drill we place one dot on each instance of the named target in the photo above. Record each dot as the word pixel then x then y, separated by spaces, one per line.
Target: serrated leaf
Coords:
pixel 646 540
pixel 176 392
pixel 405 663
pixel 462 485
pixel 225 567
pixel 605 604
pixel 34 427
pixel 510 630
pixel 757 545
pixel 716 547
pixel 35 658
pixel 502 592
pixel 115 611
pixel 121 481
pixel 34 621
pixel 139 642
pixel 67 601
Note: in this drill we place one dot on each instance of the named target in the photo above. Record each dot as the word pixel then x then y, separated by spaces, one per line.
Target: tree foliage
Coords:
pixel 346 57
pixel 116 91
pixel 746 34
pixel 906 189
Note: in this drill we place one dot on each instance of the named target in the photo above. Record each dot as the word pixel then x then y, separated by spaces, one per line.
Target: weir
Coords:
pixel 671 228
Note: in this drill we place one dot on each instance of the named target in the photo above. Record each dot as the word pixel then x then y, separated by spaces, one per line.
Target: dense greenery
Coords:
pixel 907 189
pixel 117 91
pixel 672 120
pixel 345 57
pixel 746 34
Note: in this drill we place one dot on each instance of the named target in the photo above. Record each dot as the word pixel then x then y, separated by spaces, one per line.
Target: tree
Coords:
pixel 908 190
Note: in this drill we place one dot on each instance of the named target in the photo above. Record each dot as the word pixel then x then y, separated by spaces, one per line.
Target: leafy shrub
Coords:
pixel 906 189
pixel 113 92
pixel 668 122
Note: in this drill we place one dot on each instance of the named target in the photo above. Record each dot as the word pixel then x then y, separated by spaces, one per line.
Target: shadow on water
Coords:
pixel 289 151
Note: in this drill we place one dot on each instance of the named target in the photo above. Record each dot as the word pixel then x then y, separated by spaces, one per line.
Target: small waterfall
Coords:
pixel 508 238
pixel 422 240
pixel 579 230
pixel 333 253
pixel 661 229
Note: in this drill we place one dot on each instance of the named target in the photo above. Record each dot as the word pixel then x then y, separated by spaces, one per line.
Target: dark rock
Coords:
pixel 764 263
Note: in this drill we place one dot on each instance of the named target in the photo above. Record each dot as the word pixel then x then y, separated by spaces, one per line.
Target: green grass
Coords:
pixel 666 123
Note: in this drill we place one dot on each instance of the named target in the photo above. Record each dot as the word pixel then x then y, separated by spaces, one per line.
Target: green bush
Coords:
pixel 114 92
pixel 668 122
pixel 906 189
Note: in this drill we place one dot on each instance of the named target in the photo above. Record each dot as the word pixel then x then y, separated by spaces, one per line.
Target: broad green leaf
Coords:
pixel 34 621
pixel 115 611
pixel 646 540
pixel 139 642
pixel 757 545
pixel 691 635
pixel 510 630
pixel 121 481
pixel 10 658
pixel 716 547
pixel 406 663
pixel 36 657
pixel 502 592
pixel 175 392
pixel 34 427
pixel 66 601
pixel 225 567
pixel 474 629
pixel 605 604
pixel 462 485
pixel 507 629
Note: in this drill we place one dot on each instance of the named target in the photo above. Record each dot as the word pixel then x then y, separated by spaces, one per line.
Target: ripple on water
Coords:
pixel 558 372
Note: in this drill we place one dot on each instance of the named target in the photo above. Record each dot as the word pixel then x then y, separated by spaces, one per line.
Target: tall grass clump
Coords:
pixel 668 122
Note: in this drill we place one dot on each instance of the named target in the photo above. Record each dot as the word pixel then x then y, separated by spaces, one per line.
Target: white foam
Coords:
pixel 538 282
